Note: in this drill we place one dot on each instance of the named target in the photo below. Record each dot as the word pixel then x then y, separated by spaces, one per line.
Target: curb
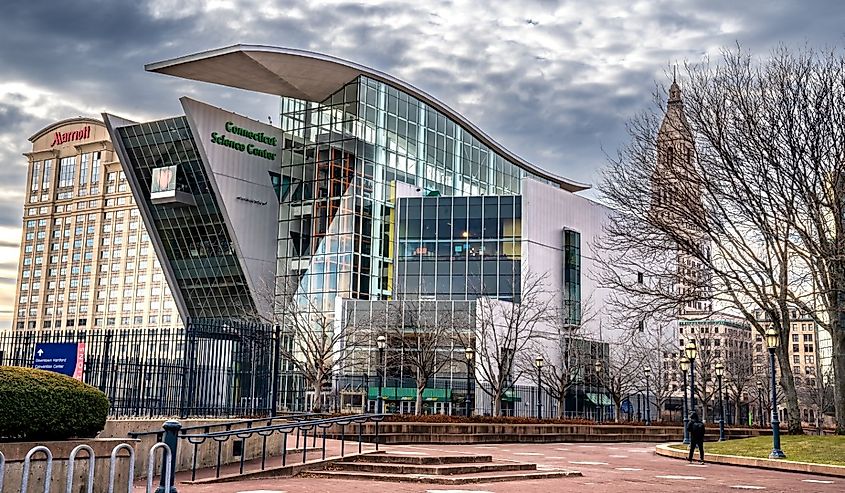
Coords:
pixel 665 450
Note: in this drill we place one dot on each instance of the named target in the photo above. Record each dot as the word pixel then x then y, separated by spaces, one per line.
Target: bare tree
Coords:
pixel 653 347
pixel 739 374
pixel 422 338
pixel 621 375
pixel 315 344
pixel 505 330
pixel 566 357
pixel 705 213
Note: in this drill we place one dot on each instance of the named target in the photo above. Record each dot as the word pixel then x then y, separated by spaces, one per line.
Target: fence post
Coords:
pixel 171 439
pixel 277 336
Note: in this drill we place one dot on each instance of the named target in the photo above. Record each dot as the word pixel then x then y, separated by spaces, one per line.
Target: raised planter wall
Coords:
pixel 394 432
pixel 206 452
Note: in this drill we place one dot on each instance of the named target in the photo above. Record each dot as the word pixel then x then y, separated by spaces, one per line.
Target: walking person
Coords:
pixel 696 437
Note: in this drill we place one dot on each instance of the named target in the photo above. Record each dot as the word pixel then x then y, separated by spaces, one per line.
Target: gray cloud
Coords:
pixel 553 81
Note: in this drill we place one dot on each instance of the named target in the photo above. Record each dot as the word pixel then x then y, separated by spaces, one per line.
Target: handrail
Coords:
pixel 138 434
pixel 325 422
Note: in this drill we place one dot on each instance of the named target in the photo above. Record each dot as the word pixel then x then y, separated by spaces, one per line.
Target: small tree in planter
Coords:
pixel 42 405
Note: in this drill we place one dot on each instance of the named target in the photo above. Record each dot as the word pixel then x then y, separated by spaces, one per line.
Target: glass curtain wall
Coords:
pixel 459 248
pixel 342 158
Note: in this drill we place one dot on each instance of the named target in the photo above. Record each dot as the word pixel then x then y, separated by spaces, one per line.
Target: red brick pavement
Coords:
pixel 620 467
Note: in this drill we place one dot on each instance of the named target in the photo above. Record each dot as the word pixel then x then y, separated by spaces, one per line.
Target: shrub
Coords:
pixel 42 405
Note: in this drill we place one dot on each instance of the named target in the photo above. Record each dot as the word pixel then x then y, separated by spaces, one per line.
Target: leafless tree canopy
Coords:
pixel 759 208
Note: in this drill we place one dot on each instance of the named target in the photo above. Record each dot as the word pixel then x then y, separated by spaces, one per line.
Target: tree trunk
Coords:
pixel 838 362
pixel 317 403
pixel 787 383
pixel 738 409
pixel 497 402
pixel 419 399
pixel 561 405
pixel 617 404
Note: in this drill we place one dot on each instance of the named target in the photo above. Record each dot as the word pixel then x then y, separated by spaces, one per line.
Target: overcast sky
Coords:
pixel 553 81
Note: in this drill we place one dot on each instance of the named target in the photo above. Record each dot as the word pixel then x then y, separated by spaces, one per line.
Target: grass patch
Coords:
pixel 800 448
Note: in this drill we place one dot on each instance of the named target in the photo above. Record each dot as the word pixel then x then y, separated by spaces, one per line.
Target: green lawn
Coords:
pixel 806 448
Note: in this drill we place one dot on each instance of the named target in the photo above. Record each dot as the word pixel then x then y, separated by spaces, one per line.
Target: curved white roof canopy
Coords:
pixel 313 77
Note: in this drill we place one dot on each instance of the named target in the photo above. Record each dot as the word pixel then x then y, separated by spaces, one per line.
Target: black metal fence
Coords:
pixel 206 369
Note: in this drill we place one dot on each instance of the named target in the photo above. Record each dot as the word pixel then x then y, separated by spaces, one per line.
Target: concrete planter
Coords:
pixel 15 453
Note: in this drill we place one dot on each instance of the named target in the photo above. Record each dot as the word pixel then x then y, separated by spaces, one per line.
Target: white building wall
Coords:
pixel 546 212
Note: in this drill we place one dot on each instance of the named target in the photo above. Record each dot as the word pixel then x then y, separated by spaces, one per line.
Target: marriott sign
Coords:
pixel 64 137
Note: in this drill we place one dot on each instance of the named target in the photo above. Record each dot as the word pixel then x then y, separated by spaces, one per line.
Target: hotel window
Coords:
pixel 83 169
pixel 36 169
pixel 95 168
pixel 67 168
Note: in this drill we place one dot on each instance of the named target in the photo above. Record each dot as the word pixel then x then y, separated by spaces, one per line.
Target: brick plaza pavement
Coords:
pixel 613 467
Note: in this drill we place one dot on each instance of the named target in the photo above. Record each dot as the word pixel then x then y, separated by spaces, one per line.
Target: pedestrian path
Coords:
pixel 602 465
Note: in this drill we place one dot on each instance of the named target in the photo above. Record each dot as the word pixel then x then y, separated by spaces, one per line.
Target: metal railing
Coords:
pixel 299 426
pixel 166 480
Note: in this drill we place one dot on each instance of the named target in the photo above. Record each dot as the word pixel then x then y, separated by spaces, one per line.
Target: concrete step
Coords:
pixel 387 457
pixel 439 469
pixel 443 479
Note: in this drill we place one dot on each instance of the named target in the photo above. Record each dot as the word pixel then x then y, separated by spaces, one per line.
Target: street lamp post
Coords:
pixel 684 365
pixel 691 351
pixel 381 341
pixel 772 341
pixel 720 371
pixel 647 372
pixel 538 362
pixel 468 353
pixel 598 367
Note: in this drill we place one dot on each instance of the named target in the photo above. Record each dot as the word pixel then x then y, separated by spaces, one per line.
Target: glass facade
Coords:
pixel 459 248
pixel 343 158
pixel 572 277
pixel 196 240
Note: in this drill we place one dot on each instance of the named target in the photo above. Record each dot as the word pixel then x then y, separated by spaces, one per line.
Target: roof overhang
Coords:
pixel 313 77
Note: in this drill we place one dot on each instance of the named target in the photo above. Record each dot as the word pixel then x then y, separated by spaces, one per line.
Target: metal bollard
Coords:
pixel 171 438
pixel 71 460
pixel 113 466
pixel 48 474
pixel 166 484
pixel 2 469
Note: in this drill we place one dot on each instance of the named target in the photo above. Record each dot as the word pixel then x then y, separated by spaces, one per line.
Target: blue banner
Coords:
pixel 64 358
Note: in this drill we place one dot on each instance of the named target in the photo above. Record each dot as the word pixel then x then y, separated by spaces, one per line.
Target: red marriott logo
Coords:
pixel 63 137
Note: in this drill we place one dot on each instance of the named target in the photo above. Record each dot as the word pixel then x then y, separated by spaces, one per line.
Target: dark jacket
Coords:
pixel 695 428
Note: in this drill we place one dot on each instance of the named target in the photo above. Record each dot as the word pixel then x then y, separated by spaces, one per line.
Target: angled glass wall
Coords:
pixel 196 241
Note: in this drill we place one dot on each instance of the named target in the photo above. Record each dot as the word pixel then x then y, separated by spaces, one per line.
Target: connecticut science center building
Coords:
pixel 369 192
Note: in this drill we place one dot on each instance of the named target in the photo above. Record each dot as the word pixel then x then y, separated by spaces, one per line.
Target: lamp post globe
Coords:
pixel 647 372
pixel 381 342
pixel 683 364
pixel 720 372
pixel 468 355
pixel 772 341
pixel 538 362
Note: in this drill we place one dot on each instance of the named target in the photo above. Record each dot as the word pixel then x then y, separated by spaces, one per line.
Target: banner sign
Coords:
pixel 65 358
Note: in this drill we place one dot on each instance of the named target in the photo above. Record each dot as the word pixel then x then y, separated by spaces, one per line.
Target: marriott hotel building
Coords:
pixel 369 191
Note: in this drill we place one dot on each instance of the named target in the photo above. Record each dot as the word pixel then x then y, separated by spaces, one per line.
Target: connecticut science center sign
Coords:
pixel 249 148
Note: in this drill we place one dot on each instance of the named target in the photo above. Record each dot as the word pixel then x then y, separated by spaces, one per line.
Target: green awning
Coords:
pixel 410 394
pixel 510 396
pixel 598 399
